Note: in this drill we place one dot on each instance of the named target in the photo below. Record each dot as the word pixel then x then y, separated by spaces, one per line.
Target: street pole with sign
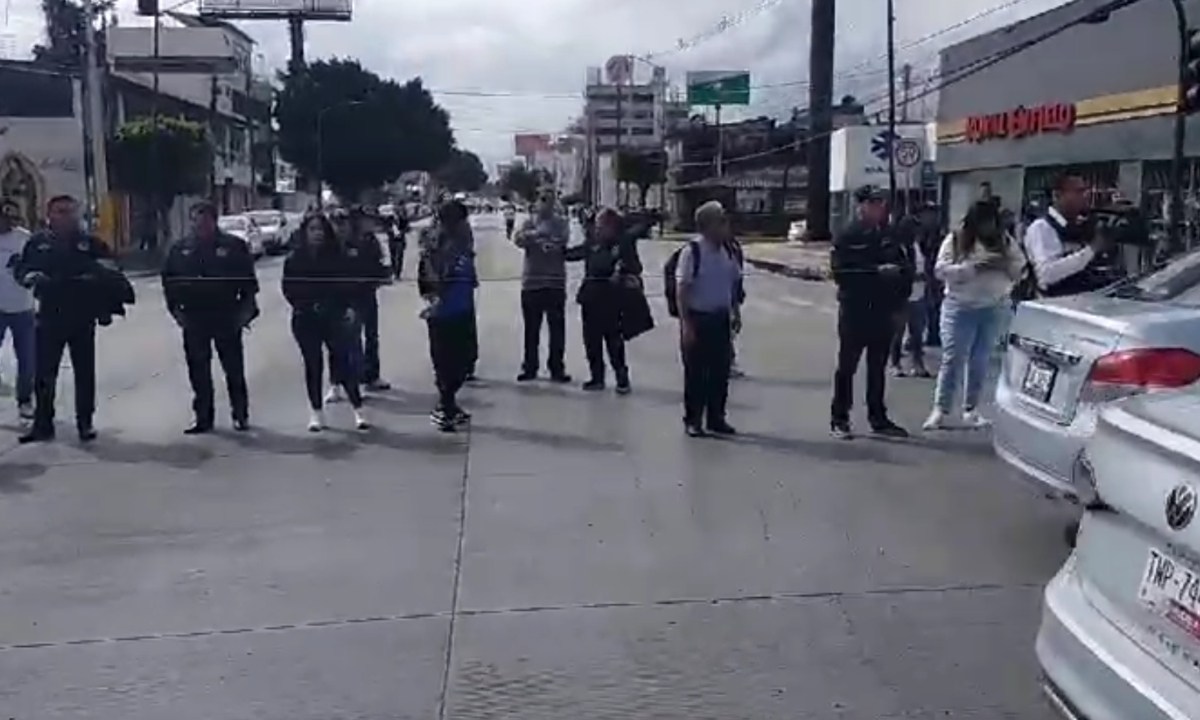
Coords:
pixel 892 140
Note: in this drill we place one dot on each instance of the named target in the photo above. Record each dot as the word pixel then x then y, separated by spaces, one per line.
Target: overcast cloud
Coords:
pixel 539 49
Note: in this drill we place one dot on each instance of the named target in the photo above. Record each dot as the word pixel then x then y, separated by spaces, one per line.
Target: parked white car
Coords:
pixel 1120 633
pixel 797 230
pixel 271 226
pixel 242 226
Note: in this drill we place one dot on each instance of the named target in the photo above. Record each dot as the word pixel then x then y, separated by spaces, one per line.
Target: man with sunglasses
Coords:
pixel 16 304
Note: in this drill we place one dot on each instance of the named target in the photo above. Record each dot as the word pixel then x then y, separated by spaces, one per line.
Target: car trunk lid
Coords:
pixel 1052 345
pixel 1139 550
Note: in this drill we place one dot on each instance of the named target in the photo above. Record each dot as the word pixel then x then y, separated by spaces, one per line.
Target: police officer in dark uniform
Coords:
pixel 210 286
pixel 874 280
pixel 62 265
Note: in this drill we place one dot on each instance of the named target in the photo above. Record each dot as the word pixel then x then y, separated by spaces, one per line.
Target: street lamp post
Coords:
pixel 321 141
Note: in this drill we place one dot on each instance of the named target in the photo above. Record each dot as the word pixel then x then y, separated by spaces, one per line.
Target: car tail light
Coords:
pixel 1129 372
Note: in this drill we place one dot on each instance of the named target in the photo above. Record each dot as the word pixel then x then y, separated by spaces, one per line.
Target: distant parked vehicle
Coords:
pixel 243 227
pixel 797 230
pixel 271 226
pixel 1068 357
pixel 1120 632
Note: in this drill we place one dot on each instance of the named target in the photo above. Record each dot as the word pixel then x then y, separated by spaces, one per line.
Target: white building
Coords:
pixel 635 115
pixel 858 155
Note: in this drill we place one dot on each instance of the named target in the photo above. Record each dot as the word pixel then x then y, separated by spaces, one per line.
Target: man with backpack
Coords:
pixel 703 281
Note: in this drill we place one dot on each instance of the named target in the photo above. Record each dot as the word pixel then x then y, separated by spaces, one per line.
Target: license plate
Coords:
pixel 1039 380
pixel 1172 590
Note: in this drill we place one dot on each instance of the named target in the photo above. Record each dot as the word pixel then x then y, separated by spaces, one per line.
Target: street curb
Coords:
pixel 797 272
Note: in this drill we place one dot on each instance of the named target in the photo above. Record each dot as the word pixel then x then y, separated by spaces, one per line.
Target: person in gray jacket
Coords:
pixel 544 239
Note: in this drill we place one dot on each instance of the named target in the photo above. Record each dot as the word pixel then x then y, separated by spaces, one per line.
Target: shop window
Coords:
pixel 1101 180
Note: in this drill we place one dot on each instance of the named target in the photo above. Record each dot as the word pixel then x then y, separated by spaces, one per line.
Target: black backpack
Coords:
pixel 670 285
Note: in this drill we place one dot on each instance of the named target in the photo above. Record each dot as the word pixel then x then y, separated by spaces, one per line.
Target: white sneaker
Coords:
pixel 335 395
pixel 25 411
pixel 936 420
pixel 360 420
pixel 972 419
pixel 316 421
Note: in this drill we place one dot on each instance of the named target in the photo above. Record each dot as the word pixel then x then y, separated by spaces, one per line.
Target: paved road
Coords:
pixel 572 556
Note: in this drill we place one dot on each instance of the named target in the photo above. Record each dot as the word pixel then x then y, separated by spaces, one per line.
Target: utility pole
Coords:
pixel 820 104
pixel 94 120
pixel 154 147
pixel 617 151
pixel 891 145
pixel 216 146
pixel 296 33
pixel 906 78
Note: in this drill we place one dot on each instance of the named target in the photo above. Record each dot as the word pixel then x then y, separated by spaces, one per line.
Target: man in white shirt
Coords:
pixel 16 304
pixel 1060 248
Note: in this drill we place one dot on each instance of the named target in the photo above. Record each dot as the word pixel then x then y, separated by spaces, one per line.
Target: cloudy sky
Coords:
pixel 506 66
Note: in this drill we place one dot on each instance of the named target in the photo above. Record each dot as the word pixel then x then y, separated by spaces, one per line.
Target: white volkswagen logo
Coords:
pixel 1181 507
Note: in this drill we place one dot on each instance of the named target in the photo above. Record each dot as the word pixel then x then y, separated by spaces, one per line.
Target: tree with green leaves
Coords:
pixel 65 46
pixel 463 172
pixel 642 169
pixel 159 162
pixel 522 182
pixel 357 131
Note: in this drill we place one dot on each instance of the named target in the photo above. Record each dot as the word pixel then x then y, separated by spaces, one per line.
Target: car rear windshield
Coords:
pixel 1178 281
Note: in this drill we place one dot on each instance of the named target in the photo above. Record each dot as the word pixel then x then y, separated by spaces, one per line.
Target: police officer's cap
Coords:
pixel 869 193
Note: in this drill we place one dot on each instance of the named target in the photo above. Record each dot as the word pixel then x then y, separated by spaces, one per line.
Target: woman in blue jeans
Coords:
pixel 978 263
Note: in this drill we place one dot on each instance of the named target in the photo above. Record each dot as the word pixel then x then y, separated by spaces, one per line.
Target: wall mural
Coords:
pixel 22 182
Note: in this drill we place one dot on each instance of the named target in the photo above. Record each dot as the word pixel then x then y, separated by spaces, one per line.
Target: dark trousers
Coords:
pixel 397 253
pixel 911 326
pixel 315 332
pixel 52 337
pixel 368 319
pixel 450 348
pixel 934 292
pixel 601 328
pixel 200 336
pixel 550 303
pixel 706 368
pixel 862 329
pixel 473 343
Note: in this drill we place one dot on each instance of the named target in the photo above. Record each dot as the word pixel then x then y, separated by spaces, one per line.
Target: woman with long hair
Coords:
pixel 318 282
pixel 978 262
pixel 610 263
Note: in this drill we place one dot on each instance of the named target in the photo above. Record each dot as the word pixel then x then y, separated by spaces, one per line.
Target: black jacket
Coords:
pixel 855 259
pixel 210 278
pixel 72 278
pixel 319 282
pixel 604 263
pixel 365 258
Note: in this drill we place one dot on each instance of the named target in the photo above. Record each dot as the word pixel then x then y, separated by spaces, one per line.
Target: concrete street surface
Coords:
pixel 572 556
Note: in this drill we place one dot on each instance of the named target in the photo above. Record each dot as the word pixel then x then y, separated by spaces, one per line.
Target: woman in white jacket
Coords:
pixel 978 263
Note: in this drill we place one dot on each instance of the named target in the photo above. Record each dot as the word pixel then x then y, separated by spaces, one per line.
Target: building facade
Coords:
pixel 1097 97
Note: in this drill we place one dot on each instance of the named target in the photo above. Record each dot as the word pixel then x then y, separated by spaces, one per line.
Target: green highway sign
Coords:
pixel 718 87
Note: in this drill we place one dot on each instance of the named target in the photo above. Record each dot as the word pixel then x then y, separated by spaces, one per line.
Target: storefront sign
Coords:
pixel 1022 122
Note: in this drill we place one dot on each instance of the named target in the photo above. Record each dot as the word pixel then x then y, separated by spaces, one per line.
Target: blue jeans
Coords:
pixel 968 335
pixel 22 326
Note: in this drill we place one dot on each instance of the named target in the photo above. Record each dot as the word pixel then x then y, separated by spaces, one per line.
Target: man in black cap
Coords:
pixel 874 279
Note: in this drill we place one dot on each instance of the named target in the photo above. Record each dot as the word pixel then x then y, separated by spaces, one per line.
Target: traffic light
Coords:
pixel 147 7
pixel 1190 73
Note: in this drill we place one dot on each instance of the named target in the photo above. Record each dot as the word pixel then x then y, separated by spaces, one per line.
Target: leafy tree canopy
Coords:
pixel 356 130
pixel 178 164
pixel 521 182
pixel 463 172
pixel 642 169
pixel 65 45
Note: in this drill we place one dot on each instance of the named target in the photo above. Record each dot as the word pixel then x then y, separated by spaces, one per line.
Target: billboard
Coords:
pixel 275 9
pixel 528 145
pixel 718 87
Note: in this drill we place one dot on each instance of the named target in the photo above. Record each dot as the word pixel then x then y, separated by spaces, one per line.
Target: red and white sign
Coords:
pixel 1022 122
pixel 527 145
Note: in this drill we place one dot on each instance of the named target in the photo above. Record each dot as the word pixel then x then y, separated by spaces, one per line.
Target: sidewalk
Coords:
pixel 805 261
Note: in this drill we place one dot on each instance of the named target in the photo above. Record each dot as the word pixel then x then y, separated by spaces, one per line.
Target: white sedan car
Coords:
pixel 244 227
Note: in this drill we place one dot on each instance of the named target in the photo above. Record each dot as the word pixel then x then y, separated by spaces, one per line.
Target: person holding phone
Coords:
pixel 874 280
